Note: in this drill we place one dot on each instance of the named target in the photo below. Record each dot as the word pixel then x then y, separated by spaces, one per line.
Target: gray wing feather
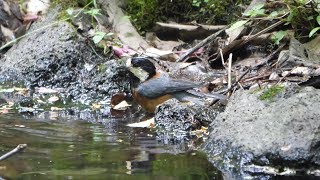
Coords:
pixel 153 88
pixel 207 95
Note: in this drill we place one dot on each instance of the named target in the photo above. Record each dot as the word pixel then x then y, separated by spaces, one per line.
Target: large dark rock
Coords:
pixel 54 55
pixel 175 120
pixel 252 134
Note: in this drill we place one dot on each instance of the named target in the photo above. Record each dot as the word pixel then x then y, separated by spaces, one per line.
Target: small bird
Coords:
pixel 152 87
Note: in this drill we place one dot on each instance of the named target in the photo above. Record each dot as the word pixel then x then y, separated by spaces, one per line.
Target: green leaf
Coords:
pixel 318 19
pixel 70 11
pixel 196 3
pixel 273 14
pixel 256 10
pixel 278 36
pixel 302 2
pixel 289 18
pixel 98 37
pixel 313 31
pixel 93 12
pixel 238 24
pixel 309 18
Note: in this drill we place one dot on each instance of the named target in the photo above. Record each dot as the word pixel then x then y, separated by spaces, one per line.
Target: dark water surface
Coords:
pixel 70 148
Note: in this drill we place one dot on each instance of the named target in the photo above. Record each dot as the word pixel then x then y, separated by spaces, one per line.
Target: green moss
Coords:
pixel 65 4
pixel 70 4
pixel 271 92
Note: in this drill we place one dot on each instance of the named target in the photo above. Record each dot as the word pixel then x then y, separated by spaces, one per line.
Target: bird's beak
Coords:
pixel 128 63
pixel 137 71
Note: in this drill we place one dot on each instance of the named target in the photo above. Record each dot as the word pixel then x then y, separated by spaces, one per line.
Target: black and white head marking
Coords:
pixel 141 67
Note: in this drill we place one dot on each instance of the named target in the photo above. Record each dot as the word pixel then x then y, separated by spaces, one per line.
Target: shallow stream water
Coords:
pixel 71 147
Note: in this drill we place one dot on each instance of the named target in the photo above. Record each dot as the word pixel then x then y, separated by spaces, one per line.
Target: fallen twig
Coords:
pixel 268 58
pixel 257 77
pixel 222 59
pixel 189 27
pixel 229 70
pixel 14 151
pixel 199 45
pixel 262 32
pixel 229 89
pixel 236 44
pixel 235 83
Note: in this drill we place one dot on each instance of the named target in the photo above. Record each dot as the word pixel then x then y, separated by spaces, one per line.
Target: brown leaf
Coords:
pixel 117 98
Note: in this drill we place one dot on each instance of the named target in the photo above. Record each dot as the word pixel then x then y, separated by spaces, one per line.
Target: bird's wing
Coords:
pixel 160 86
pixel 207 95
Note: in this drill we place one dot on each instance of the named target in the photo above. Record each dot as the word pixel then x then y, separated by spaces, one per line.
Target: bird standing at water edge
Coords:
pixel 155 87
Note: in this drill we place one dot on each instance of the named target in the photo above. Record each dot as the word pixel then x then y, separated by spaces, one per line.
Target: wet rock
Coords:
pixel 56 56
pixel 2 101
pixel 175 119
pixel 26 102
pixel 280 132
pixel 9 97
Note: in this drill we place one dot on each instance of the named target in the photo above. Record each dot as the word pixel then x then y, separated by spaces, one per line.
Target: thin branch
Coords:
pixel 201 44
pixel 19 148
pixel 230 89
pixel 262 32
pixel 229 70
pixel 235 83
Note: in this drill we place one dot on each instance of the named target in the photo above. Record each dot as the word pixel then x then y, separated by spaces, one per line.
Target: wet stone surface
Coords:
pixel 179 119
pixel 282 132
pixel 58 57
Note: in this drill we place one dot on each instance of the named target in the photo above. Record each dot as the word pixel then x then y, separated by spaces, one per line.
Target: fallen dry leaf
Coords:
pixel 56 109
pixel 123 105
pixel 148 123
pixel 164 55
pixel 95 106
pixel 123 51
pixel 117 98
pixel 44 90
pixel 301 71
pixel 20 125
pixel 53 99
pixel 200 132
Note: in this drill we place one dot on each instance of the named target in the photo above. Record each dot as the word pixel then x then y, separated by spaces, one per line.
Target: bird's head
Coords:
pixel 141 67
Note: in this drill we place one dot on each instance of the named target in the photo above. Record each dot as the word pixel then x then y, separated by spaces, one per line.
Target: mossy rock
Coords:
pixel 270 93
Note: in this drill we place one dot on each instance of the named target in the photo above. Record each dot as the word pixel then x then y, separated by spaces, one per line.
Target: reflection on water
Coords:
pixel 69 148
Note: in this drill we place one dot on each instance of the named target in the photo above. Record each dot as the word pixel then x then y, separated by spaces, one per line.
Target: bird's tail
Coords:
pixel 198 97
pixel 207 95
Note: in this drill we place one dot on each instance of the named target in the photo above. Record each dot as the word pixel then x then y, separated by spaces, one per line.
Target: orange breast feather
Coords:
pixel 150 104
